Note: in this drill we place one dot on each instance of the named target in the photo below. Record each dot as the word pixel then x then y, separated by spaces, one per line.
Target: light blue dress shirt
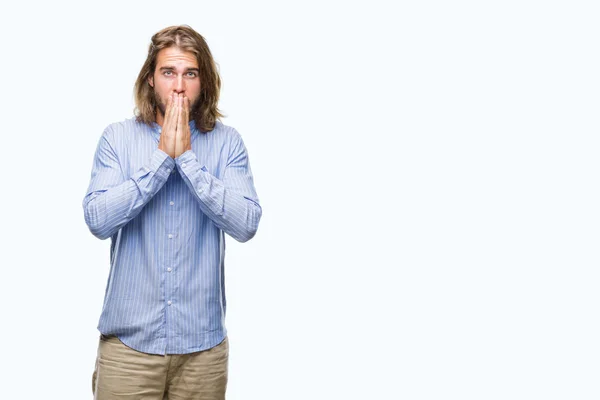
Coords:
pixel 167 220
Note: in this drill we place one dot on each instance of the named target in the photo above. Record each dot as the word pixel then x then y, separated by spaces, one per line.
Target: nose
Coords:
pixel 179 85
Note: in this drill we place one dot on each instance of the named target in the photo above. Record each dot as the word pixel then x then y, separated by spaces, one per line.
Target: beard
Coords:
pixel 162 106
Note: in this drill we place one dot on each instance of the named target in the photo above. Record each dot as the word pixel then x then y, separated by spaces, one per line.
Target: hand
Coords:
pixel 175 138
pixel 183 141
pixel 169 128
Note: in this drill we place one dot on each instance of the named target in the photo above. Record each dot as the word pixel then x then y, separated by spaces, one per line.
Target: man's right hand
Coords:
pixel 169 128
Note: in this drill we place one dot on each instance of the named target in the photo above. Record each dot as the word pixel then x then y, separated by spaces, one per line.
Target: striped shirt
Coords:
pixel 167 220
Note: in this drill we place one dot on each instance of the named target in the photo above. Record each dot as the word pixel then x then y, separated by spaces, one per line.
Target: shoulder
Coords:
pixel 229 135
pixel 126 131
pixel 224 132
pixel 128 126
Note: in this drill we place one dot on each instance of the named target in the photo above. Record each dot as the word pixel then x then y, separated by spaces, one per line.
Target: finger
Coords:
pixel 172 121
pixel 186 110
pixel 179 114
pixel 168 110
pixel 184 114
pixel 175 104
pixel 169 106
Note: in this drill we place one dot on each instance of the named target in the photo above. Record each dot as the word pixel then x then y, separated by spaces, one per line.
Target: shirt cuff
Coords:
pixel 161 164
pixel 186 161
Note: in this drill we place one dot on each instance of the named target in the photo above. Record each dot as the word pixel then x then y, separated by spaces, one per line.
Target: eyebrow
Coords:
pixel 173 68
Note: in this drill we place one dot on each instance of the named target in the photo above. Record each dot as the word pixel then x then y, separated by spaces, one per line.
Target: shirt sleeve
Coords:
pixel 112 199
pixel 231 203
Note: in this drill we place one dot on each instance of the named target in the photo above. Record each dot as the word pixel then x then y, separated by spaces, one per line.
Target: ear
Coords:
pixel 151 81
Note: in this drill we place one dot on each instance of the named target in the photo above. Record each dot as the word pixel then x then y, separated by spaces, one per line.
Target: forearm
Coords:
pixel 232 208
pixel 107 209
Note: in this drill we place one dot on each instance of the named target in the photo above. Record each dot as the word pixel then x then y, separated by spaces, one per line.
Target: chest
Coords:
pixel 137 153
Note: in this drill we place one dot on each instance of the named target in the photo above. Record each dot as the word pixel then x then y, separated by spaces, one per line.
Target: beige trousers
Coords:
pixel 126 374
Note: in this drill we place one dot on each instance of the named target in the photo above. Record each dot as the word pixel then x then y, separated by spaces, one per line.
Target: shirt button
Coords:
pixel 172 203
pixel 170 236
pixel 173 171
pixel 183 165
pixel 169 269
pixel 169 302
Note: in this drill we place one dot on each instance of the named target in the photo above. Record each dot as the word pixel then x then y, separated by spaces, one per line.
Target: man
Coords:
pixel 165 187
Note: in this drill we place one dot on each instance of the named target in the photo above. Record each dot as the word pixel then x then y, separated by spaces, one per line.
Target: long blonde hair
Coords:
pixel 185 38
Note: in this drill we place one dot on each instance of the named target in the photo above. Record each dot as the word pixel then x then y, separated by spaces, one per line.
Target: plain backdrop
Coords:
pixel 428 172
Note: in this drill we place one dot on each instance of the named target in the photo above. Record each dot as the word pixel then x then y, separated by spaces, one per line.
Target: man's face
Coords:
pixel 176 72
